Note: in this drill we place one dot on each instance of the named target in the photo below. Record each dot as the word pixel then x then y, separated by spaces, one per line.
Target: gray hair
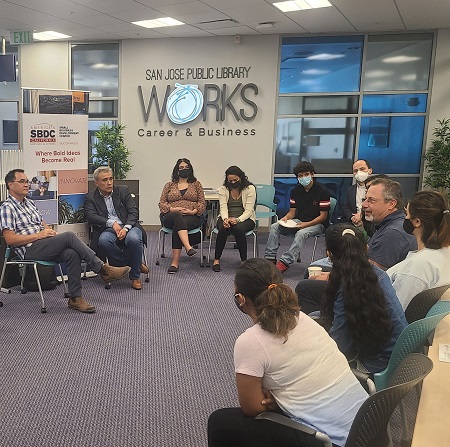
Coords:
pixel 392 190
pixel 101 170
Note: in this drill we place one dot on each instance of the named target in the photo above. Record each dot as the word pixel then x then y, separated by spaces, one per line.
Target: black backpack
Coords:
pixel 47 278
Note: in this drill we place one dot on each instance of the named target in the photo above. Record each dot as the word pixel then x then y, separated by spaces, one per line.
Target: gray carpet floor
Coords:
pixel 146 370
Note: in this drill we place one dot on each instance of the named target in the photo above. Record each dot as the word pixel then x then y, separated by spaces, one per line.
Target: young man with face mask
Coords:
pixel 309 206
pixel 351 211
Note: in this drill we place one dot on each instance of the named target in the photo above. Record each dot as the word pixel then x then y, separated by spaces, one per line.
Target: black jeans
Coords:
pixel 176 222
pixel 238 231
pixel 309 293
pixel 229 427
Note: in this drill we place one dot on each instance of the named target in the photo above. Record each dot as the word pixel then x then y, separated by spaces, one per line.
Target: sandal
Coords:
pixel 216 268
pixel 172 269
pixel 191 252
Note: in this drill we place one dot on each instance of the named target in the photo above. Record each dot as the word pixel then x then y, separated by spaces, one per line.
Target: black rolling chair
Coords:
pixel 370 426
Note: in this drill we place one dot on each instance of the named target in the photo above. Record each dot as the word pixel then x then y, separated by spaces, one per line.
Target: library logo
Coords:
pixel 184 104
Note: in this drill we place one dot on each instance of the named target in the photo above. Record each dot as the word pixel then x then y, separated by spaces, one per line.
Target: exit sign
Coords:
pixel 19 37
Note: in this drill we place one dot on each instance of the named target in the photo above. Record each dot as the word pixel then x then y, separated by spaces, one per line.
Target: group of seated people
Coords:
pixel 286 361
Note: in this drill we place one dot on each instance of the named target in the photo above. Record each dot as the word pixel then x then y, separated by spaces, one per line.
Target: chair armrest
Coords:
pixel 288 422
pixel 366 380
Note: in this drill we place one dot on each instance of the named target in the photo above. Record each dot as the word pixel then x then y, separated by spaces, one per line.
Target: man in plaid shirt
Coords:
pixel 24 230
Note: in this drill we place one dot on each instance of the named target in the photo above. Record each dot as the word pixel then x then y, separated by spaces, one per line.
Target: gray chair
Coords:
pixel 11 259
pixel 370 428
pixel 422 303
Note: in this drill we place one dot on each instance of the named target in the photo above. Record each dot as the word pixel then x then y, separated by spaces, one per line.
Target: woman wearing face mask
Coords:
pixel 285 362
pixel 428 219
pixel 237 199
pixel 181 204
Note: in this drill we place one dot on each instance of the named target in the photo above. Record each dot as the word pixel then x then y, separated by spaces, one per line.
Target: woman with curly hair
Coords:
pixel 285 362
pixel 360 303
pixel 181 205
pixel 428 219
pixel 237 197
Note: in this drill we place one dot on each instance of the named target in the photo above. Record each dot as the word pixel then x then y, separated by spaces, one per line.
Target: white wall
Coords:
pixel 154 157
pixel 440 94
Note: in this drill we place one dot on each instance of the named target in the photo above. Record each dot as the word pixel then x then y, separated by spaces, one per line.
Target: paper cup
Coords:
pixel 314 271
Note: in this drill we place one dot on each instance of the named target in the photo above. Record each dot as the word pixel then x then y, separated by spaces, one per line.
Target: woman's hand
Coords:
pixel 269 401
pixel 226 223
pixel 232 221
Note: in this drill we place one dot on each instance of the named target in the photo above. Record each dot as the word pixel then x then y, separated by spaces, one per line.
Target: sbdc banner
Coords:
pixel 57 142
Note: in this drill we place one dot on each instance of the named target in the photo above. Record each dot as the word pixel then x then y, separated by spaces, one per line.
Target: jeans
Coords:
pixel 66 247
pixel 300 236
pixel 125 252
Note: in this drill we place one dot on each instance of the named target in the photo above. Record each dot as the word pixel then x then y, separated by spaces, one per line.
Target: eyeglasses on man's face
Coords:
pixel 22 181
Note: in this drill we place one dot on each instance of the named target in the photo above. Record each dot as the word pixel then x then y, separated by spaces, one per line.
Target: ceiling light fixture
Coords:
pixel 263 25
pixel 300 5
pixel 49 35
pixel 158 23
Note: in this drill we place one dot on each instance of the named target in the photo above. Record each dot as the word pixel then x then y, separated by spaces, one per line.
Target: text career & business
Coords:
pixel 201 132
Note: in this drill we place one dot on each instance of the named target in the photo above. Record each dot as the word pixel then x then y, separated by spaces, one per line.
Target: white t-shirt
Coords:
pixel 419 271
pixel 308 376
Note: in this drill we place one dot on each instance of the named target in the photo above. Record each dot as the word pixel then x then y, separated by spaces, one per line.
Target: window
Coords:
pixel 320 64
pixel 398 62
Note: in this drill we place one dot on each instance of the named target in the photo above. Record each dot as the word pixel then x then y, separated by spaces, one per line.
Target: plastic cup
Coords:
pixel 314 271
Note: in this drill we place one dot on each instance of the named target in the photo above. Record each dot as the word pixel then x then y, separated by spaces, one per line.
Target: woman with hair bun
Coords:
pixel 428 219
pixel 285 362
pixel 237 197
pixel 360 304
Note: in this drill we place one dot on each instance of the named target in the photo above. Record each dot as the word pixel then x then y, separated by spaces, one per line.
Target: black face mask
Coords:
pixel 235 185
pixel 183 173
pixel 408 226
pixel 238 304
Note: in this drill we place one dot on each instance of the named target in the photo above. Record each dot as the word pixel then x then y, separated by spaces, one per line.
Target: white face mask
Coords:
pixel 361 176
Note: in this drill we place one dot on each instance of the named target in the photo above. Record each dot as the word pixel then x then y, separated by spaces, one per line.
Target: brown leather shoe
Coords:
pixel 136 284
pixel 110 273
pixel 80 304
pixel 144 269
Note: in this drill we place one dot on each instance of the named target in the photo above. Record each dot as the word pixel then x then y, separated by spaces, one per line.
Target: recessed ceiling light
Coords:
pixel 49 35
pixel 158 23
pixel 299 5
pixel 400 59
pixel 265 25
pixel 325 57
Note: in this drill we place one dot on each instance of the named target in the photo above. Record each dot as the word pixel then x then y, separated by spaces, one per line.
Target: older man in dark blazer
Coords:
pixel 117 235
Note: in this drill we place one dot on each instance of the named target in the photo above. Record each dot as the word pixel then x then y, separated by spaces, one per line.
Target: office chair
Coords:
pixel 265 196
pixel 370 426
pixel 422 303
pixel 15 260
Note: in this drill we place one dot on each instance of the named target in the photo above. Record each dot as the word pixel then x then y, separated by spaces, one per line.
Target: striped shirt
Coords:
pixel 22 218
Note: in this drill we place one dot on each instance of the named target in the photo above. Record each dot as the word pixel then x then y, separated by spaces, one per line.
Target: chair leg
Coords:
pixel 202 263
pixel 38 281
pixel 314 249
pixel 144 256
pixel 2 277
pixel 255 245
pixel 208 261
pixel 404 439
pixel 66 293
pixel 158 248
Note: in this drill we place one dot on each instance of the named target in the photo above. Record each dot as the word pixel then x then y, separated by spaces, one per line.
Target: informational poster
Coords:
pixel 55 148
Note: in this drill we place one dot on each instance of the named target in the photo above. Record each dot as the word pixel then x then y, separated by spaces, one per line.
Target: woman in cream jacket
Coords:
pixel 237 199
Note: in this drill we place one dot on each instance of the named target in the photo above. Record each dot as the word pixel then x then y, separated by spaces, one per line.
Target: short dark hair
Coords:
pixel 304 166
pixel 11 176
pixel 175 174
pixel 365 161
pixel 373 177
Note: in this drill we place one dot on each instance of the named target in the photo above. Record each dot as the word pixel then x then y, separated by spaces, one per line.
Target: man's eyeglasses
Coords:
pixel 22 181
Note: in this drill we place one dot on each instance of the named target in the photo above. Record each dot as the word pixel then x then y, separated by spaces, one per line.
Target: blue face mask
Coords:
pixel 305 181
